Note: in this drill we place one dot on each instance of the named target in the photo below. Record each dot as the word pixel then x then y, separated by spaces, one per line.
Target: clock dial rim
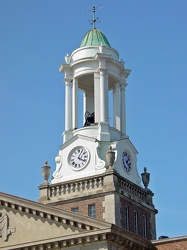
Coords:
pixel 78 158
pixel 127 166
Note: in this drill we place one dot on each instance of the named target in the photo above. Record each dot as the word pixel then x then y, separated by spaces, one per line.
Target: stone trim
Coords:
pixel 136 193
pixel 127 240
pixel 123 243
pixel 62 242
pixel 5 230
pixel 169 240
pixel 91 183
pixel 113 236
pixel 98 184
pixel 51 213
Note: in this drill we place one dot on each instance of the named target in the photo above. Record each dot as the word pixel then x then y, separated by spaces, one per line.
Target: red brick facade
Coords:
pixel 83 206
pixel 140 212
pixel 178 243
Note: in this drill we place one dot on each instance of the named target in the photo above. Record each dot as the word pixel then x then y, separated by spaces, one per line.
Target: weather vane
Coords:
pixel 94 20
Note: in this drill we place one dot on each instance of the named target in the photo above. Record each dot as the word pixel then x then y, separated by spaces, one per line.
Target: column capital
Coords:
pixel 67 77
pixel 123 85
pixel 117 85
pixel 122 78
pixel 102 71
pixel 74 80
pixel 68 83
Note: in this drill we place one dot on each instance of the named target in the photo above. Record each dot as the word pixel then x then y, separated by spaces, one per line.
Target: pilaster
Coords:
pixel 75 103
pixel 68 110
pixel 116 107
pixel 103 95
pixel 104 134
pixel 123 107
pixel 44 193
pixel 97 97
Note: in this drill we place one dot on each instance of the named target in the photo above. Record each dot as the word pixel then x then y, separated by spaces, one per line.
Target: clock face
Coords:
pixel 126 161
pixel 79 158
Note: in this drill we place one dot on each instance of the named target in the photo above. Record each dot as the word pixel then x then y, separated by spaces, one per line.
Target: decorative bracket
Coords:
pixel 57 174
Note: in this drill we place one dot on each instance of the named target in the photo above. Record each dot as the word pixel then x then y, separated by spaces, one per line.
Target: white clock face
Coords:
pixel 79 158
pixel 126 161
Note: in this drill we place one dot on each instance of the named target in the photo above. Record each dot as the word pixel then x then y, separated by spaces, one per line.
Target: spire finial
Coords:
pixel 94 20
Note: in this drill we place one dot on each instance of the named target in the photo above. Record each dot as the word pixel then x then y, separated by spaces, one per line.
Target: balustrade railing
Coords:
pixel 136 193
pixel 94 184
pixel 75 186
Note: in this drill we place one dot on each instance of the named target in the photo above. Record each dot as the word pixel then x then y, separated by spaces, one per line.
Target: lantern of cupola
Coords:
pixel 95 69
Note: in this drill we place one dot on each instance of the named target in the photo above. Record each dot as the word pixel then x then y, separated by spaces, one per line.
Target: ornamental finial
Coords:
pixel 145 178
pixel 110 157
pixel 46 172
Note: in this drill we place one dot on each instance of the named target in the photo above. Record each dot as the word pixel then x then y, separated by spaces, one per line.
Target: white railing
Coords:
pixel 76 186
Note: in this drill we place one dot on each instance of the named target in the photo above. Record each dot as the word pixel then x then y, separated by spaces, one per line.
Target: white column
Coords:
pixel 103 95
pixel 84 106
pixel 116 107
pixel 68 111
pixel 75 103
pixel 97 97
pixel 123 109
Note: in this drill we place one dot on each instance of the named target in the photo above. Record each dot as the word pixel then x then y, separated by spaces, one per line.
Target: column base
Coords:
pixel 67 135
pixel 103 134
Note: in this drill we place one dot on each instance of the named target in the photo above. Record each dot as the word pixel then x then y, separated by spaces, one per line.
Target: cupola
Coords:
pixel 95 69
pixel 94 37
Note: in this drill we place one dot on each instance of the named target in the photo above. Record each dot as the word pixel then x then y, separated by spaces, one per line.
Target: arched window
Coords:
pixel 144 224
pixel 135 222
pixel 126 218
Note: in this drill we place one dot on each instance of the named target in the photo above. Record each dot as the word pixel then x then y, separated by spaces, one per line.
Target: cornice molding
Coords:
pixel 50 213
pixel 113 235
pixel 169 240
pixel 91 231
pixel 66 241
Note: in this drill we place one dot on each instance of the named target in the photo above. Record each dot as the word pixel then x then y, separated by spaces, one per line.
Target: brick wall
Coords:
pixel 83 206
pixel 174 244
pixel 140 212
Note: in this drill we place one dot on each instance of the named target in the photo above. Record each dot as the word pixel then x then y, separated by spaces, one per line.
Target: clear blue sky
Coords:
pixel 151 37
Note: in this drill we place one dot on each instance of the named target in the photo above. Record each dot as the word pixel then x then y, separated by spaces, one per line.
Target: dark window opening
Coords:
pixel 92 210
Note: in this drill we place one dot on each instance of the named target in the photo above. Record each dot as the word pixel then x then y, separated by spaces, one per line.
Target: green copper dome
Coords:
pixel 94 37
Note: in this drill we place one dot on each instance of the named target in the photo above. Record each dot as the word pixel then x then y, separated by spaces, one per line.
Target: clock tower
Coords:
pixel 95 69
pixel 96 167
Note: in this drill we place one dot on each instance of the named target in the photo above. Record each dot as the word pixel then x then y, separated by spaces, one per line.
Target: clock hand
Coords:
pixel 82 160
pixel 80 156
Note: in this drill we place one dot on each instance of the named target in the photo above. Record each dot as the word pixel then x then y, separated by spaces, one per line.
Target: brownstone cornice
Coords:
pixel 113 236
pixel 50 213
pixel 169 240
pixel 128 240
pixel 91 231
pixel 97 185
pixel 65 241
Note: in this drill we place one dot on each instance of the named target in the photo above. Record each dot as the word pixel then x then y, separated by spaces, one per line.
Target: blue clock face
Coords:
pixel 126 160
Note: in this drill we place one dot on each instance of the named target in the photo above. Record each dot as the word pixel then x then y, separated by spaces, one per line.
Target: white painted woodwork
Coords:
pixel 95 70
pixel 68 106
pixel 117 107
pixel 74 104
